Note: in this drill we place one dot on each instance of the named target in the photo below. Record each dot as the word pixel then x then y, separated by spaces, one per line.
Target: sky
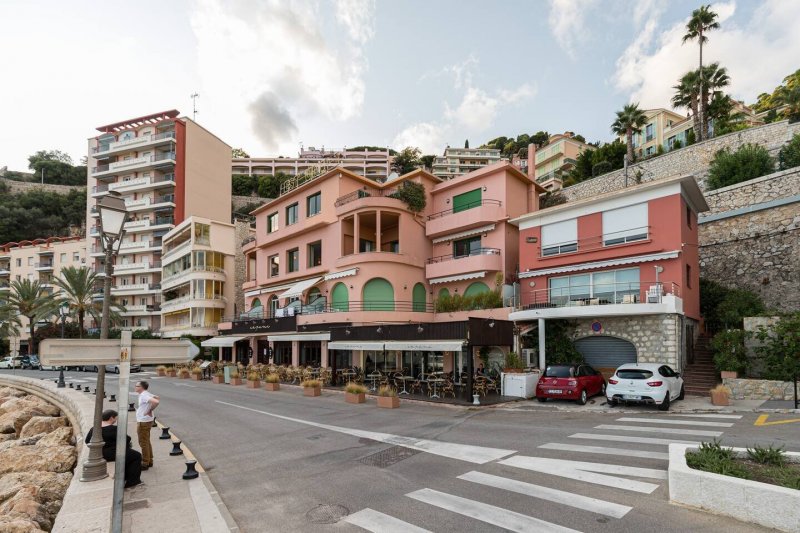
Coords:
pixel 274 74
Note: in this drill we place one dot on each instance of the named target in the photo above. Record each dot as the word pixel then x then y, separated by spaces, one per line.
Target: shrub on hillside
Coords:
pixel 748 162
pixel 722 307
pixel 730 353
pixel 789 156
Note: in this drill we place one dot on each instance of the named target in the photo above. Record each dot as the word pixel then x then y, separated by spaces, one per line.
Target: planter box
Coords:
pixel 355 398
pixel 750 501
pixel 253 384
pixel 389 402
pixel 728 374
pixel 161 373
pixel 218 380
pixel 197 377
pixel 720 398
pixel 272 386
pixel 312 391
pixel 183 376
pixel 236 381
pixel 171 373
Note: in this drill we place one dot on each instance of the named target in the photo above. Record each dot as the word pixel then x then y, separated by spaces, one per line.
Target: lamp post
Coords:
pixel 112 223
pixel 62 311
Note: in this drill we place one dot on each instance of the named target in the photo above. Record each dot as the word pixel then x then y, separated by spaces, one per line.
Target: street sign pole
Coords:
pixel 122 431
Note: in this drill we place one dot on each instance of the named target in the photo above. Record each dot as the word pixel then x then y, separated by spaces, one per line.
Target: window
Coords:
pixel 689 217
pixel 650 150
pixel 291 214
pixel 315 254
pixel 467 247
pixel 688 276
pixel 202 234
pixel 650 132
pixel 560 237
pixel 365 245
pixel 313 204
pixel 625 224
pixel 63 258
pixel 19 262
pixel 272 222
pixel 293 260
pixel 605 287
pixel 468 200
pixel 30 261
pixel 274 264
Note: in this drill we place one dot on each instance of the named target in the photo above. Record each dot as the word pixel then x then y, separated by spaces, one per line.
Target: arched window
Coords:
pixel 443 292
pixel 312 295
pixel 255 303
pixel 476 288
pixel 378 295
pixel 340 300
pixel 418 298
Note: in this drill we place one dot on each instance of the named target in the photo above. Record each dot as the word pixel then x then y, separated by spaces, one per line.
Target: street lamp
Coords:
pixel 113 216
pixel 62 311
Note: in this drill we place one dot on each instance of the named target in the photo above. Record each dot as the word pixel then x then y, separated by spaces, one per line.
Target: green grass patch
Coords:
pixel 766 465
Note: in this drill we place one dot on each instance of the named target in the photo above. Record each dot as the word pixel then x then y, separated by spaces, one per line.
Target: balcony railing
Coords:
pixel 132 142
pixel 119 165
pixel 596 242
pixel 465 207
pixel 349 307
pixel 599 294
pixel 199 268
pixel 363 193
pixel 450 257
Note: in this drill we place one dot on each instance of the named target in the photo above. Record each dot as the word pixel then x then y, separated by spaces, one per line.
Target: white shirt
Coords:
pixel 142 412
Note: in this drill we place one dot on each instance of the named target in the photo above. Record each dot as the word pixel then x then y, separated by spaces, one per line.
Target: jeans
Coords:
pixel 143 431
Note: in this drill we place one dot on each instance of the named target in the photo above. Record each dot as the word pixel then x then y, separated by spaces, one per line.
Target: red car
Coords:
pixel 570 382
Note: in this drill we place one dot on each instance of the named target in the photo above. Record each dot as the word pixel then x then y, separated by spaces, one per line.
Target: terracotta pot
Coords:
pixel 217 380
pixel 197 377
pixel 720 398
pixel 729 374
pixel 183 376
pixel 312 391
pixel 253 384
pixel 355 398
pixel 389 402
pixel 236 381
pixel 161 373
pixel 272 386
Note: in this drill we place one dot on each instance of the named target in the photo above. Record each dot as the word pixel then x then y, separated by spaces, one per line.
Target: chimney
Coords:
pixel 532 161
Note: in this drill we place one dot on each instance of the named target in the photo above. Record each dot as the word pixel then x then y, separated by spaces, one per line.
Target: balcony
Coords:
pixel 197 272
pixel 472 216
pixel 126 269
pixel 137 163
pixel 194 301
pixel 139 288
pixel 481 259
pixel 137 143
pixel 131 310
pixel 181 247
pixel 44 266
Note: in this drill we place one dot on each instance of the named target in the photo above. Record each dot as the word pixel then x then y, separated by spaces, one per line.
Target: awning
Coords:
pixel 355 345
pixel 342 274
pixel 300 337
pixel 600 264
pixel 222 341
pixel 474 231
pixel 431 346
pixel 448 279
pixel 299 287
pixel 274 288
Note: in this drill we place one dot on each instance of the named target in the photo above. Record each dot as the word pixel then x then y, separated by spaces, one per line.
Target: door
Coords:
pixel 606 353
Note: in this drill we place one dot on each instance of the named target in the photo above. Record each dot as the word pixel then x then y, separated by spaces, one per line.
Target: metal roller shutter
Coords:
pixel 606 353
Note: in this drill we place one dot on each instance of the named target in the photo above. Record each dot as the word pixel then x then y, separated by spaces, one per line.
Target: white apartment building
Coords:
pixel 458 161
pixel 372 164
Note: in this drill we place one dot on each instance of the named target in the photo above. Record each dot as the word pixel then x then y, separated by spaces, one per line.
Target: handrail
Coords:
pixel 382 306
pixel 596 242
pixel 449 257
pixel 364 193
pixel 466 207
pixel 628 292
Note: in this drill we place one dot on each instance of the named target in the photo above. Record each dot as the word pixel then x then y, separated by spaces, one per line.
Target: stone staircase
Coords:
pixel 701 375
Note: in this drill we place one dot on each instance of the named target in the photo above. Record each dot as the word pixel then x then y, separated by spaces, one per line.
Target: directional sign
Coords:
pixel 80 352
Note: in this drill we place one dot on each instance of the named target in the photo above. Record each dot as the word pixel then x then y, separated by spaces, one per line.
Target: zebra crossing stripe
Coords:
pixel 729 417
pixel 676 422
pixel 496 516
pixel 604 451
pixel 626 438
pixel 378 522
pixel 614 510
pixel 671 431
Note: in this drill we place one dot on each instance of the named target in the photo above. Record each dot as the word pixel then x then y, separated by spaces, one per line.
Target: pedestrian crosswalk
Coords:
pixel 590 463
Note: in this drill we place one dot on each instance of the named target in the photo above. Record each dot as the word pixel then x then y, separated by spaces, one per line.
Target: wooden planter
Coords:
pixel 253 384
pixel 355 398
pixel 183 376
pixel 197 377
pixel 218 380
pixel 389 402
pixel 729 374
pixel 720 398
pixel 171 373
pixel 161 373
pixel 312 391
pixel 272 386
pixel 236 381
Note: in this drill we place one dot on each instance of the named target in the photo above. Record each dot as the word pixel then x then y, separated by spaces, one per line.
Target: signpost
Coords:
pixel 86 352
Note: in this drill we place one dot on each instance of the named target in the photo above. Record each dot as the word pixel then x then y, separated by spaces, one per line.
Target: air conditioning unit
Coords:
pixel 530 357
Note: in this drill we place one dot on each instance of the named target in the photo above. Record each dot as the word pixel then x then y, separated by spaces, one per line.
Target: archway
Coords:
pixel 340 300
pixel 255 303
pixel 418 298
pixel 476 288
pixel 378 295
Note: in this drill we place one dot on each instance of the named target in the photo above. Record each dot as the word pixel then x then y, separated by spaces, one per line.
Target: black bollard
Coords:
pixel 190 473
pixel 78 388
pixel 164 433
pixel 131 408
pixel 176 448
pixel 95 392
pixel 55 381
pixel 86 390
pixel 113 398
pixel 71 386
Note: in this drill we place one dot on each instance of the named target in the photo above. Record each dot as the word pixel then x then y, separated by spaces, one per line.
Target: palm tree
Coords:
pixel 702 21
pixel 9 321
pixel 629 121
pixel 77 286
pixel 687 95
pixel 29 299
pixel 714 78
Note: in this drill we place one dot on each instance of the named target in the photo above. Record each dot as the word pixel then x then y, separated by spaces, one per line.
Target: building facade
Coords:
pixel 167 168
pixel 550 163
pixel 459 161
pixel 372 164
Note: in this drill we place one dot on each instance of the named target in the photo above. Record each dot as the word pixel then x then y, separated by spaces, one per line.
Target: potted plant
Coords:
pixel 183 373
pixel 272 382
pixel 514 364
pixel 720 395
pixel 219 377
pixel 171 372
pixel 253 380
pixel 161 371
pixel 235 379
pixel 387 398
pixel 730 354
pixel 197 373
pixel 355 393
pixel 311 387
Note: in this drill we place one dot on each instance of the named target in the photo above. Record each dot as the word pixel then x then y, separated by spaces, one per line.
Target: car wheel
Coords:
pixel 682 394
pixel 603 389
pixel 116 370
pixel 665 404
pixel 611 402
pixel 583 397
pixel 541 399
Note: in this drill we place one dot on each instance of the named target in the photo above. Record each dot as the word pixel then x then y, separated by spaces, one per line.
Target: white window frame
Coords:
pixel 560 237
pixel 626 224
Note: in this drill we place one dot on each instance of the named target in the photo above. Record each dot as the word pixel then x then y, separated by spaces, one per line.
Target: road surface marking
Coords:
pixel 604 451
pixel 762 421
pixel 676 422
pixel 496 516
pixel 523 461
pixel 184 385
pixel 378 522
pixel 626 438
pixel 673 431
pixel 730 417
pixel 571 499
pixel 463 452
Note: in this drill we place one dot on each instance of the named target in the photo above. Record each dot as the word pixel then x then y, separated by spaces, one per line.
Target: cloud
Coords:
pixel 427 136
pixel 567 21
pixel 357 16
pixel 478 109
pixel 271 121
pixel 757 54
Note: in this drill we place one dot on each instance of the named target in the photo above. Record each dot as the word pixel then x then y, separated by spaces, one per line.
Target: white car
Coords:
pixel 11 362
pixel 650 383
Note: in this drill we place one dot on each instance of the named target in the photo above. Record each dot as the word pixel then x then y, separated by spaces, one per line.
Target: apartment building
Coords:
pixel 372 164
pixel 167 168
pixel 37 260
pixel 459 161
pixel 622 267
pixel 552 162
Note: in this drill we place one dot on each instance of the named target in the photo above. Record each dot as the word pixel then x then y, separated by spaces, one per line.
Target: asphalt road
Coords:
pixel 283 462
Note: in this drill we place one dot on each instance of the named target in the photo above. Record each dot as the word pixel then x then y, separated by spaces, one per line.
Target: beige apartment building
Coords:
pixel 39 259
pixel 167 168
pixel 458 161
pixel 551 162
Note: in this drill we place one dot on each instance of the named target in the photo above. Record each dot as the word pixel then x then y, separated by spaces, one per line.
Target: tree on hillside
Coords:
pixel 244 185
pixel 592 163
pixel 29 299
pixel 427 161
pixel 790 97
pixel 714 78
pixel 270 186
pixel 406 160
pixel 40 213
pixel 239 153
pixel 57 167
pixel 772 101
pixel 629 121
pixel 466 143
pixel 703 20
pixel 540 138
pixel 749 161
pixel 9 320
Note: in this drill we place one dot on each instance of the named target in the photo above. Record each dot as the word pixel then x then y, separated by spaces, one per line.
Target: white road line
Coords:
pixel 730 417
pixel 378 522
pixel 571 499
pixel 676 422
pixel 672 431
pixel 183 385
pixel 462 452
pixel 523 461
pixel 496 516
pixel 626 438
pixel 604 451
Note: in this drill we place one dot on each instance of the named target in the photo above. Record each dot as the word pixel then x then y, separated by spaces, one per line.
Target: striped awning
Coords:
pixel 341 274
pixel 299 288
pixel 222 341
pixel 467 233
pixel 600 264
pixel 460 277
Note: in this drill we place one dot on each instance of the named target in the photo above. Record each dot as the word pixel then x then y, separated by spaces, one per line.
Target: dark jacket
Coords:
pixel 109 441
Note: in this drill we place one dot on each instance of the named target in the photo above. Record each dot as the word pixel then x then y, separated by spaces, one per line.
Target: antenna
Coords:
pixel 194 98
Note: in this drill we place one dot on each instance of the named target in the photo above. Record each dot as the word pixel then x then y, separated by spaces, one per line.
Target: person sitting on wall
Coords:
pixel 133 459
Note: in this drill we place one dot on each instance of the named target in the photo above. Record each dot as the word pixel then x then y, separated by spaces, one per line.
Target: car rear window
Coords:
pixel 558 372
pixel 634 373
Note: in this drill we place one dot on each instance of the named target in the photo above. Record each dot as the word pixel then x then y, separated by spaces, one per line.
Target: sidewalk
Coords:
pixel 691 404
pixel 167 502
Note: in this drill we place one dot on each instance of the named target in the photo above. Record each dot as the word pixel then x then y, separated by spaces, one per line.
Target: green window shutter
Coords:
pixel 476 288
pixel 340 299
pixel 468 200
pixel 378 295
pixel 418 298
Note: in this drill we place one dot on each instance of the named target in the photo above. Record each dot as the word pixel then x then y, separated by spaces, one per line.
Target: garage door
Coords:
pixel 606 353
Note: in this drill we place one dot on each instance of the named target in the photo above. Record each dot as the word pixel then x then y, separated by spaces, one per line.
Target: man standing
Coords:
pixel 144 421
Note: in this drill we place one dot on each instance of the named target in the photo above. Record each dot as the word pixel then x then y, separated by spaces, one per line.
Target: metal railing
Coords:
pixel 348 307
pixel 465 207
pixel 450 257
pixel 633 292
pixel 364 193
pixel 596 242
pixel 186 272
pixel 133 162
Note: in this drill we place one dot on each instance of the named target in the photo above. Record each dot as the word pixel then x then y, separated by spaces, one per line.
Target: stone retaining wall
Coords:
pixel 17 187
pixel 777 185
pixel 759 389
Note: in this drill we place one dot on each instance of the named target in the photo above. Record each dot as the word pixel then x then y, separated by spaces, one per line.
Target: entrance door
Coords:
pixel 606 353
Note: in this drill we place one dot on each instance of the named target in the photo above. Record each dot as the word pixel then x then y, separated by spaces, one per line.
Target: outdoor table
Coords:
pixel 405 379
pixel 348 374
pixel 435 382
pixel 374 377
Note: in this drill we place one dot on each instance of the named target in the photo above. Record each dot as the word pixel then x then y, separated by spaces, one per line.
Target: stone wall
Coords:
pixel 783 184
pixel 17 187
pixel 759 389
pixel 239 202
pixel 241 232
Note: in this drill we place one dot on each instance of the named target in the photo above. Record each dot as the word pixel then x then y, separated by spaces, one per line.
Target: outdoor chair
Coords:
pixel 479 385
pixel 416 386
pixel 491 386
pixel 448 387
